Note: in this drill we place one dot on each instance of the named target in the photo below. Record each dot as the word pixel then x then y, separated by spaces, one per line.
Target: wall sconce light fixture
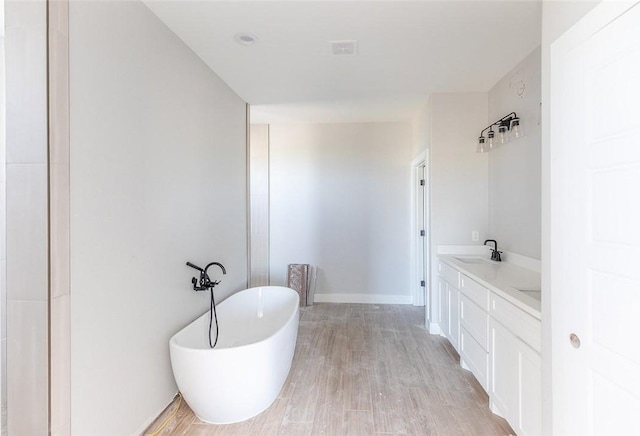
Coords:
pixel 508 128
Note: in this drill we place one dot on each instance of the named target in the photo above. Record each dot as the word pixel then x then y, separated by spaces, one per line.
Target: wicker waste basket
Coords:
pixel 299 279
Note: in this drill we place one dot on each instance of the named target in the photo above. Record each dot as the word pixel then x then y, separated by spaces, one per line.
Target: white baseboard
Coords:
pixel 464 365
pixel 363 298
pixel 153 417
pixel 434 328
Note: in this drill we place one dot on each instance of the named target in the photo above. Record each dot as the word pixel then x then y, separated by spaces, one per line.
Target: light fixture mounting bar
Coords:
pixel 504 121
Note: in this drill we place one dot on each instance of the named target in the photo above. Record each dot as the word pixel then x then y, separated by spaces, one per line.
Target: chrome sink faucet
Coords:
pixel 495 254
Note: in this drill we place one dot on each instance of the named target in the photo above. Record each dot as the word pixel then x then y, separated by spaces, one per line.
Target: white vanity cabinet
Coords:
pixel 474 327
pixel 498 335
pixel 449 295
pixel 515 388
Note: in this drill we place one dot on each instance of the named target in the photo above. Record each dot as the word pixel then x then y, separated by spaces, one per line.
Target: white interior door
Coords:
pixel 595 236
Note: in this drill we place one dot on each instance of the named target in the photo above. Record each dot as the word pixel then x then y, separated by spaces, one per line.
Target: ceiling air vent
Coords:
pixel 344 48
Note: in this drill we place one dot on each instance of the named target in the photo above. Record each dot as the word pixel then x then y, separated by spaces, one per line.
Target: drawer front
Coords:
pixel 474 357
pixel 516 320
pixel 475 320
pixel 449 274
pixel 475 291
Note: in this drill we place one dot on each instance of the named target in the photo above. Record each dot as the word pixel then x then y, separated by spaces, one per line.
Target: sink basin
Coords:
pixel 470 259
pixel 533 293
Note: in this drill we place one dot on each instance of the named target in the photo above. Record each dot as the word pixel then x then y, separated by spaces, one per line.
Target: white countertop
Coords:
pixel 504 278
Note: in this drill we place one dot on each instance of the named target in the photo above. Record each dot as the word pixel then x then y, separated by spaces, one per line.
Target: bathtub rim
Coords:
pixel 173 343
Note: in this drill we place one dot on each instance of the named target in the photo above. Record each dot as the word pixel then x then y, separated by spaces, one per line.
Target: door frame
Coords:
pixel 419 221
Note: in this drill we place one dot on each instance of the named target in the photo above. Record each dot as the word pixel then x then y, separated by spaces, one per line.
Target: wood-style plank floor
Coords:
pixel 364 370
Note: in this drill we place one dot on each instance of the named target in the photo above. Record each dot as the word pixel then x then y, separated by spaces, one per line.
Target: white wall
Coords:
pixel 421 129
pixel 340 201
pixel 3 235
pixel 259 204
pixel 59 220
pixel 158 177
pixel 27 275
pixel 514 169
pixel 458 176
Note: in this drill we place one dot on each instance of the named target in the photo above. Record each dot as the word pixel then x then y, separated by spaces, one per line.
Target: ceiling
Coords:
pixel 406 51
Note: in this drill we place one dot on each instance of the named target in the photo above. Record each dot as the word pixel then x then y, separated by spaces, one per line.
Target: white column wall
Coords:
pixel 158 178
pixel 259 204
pixel 3 233
pixel 27 221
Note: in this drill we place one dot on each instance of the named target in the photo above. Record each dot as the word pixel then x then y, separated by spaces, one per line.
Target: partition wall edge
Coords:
pixel 59 220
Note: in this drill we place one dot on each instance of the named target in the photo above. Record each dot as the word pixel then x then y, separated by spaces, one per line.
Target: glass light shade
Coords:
pixel 482 146
pixel 491 140
pixel 503 135
pixel 516 128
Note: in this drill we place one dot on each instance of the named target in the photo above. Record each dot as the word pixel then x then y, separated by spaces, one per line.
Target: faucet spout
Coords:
pixel 224 271
pixel 495 254
pixel 495 243
pixel 205 282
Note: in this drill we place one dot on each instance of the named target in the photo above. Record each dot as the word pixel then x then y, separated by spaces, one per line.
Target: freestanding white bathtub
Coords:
pixel 245 372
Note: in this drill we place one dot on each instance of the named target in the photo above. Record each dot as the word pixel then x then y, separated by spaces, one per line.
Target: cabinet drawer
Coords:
pixel 475 291
pixel 449 274
pixel 474 358
pixel 475 320
pixel 516 320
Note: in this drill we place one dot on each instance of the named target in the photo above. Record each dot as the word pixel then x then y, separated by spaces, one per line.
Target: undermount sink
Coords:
pixel 533 293
pixel 470 259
